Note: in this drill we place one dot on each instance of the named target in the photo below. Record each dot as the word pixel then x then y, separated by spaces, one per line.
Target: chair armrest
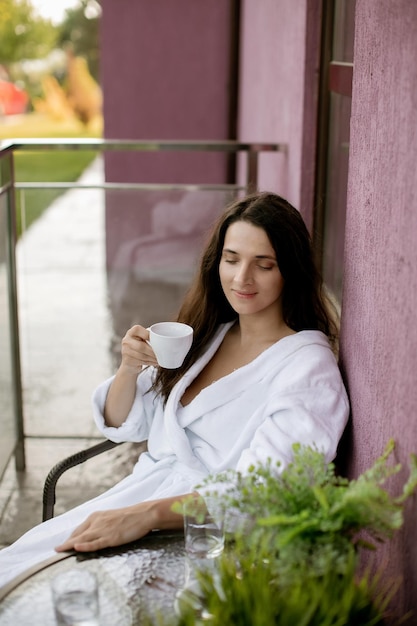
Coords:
pixel 64 465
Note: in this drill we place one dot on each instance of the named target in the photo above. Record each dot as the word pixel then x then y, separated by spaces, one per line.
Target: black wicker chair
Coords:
pixel 64 465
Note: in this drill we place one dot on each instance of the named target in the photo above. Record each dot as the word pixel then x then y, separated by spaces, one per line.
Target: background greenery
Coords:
pixel 69 97
pixel 50 166
pixel 24 35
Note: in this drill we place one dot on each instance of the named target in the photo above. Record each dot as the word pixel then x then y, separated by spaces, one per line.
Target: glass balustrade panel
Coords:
pixel 95 262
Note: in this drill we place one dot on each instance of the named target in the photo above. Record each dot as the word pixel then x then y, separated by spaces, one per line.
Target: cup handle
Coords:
pixel 147 340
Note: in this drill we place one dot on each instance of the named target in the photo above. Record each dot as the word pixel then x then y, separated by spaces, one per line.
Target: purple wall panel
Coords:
pixel 271 93
pixel 166 75
pixel 379 333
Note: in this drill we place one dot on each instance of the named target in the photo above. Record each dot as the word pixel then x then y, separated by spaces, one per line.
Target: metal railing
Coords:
pixel 12 405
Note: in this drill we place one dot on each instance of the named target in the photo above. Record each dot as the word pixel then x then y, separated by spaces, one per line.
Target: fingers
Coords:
pixel 136 352
pixel 84 544
pixel 107 529
pixel 90 546
pixel 139 332
pixel 75 537
pixel 93 534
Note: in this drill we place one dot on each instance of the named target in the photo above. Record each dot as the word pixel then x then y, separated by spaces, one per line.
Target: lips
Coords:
pixel 244 294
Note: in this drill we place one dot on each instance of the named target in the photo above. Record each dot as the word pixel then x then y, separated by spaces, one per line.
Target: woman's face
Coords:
pixel 249 273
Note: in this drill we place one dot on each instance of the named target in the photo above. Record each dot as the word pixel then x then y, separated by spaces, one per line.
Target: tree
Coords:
pixel 24 35
pixel 80 32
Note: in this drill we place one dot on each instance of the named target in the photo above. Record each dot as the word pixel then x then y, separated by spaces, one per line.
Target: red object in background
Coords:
pixel 12 99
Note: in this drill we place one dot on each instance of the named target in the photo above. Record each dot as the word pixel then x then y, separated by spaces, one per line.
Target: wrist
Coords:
pixel 162 516
pixel 128 372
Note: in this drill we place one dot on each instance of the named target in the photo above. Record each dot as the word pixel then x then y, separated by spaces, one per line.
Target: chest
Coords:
pixel 214 370
pixel 225 361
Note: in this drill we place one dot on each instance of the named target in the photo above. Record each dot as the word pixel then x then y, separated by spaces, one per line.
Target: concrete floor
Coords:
pixel 66 336
pixel 21 492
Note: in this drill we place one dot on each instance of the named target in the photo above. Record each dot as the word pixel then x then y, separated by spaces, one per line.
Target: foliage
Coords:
pixel 84 94
pixel 248 594
pixel 307 516
pixel 292 558
pixel 80 98
pixel 80 30
pixel 23 35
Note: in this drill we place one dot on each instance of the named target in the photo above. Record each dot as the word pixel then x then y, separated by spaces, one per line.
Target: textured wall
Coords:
pixel 166 75
pixel 379 331
pixel 166 72
pixel 274 77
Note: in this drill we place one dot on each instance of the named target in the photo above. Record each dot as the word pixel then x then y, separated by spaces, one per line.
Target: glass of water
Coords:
pixel 75 598
pixel 204 542
pixel 204 529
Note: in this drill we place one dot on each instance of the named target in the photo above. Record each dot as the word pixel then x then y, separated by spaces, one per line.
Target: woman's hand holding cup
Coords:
pixel 136 352
pixel 165 344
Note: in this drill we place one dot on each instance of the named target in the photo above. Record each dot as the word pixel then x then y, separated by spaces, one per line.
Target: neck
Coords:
pixel 261 329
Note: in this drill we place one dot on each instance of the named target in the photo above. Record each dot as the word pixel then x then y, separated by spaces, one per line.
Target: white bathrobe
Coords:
pixel 292 392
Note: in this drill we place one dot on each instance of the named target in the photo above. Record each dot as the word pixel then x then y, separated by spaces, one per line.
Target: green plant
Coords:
pixel 308 516
pixel 248 594
pixel 294 559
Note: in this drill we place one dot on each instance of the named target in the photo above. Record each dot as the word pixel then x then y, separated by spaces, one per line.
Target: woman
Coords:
pixel 260 376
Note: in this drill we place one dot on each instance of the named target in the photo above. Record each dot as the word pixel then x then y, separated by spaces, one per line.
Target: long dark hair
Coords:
pixel 205 306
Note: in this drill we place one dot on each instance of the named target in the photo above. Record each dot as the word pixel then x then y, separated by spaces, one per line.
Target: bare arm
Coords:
pixel 106 529
pixel 135 354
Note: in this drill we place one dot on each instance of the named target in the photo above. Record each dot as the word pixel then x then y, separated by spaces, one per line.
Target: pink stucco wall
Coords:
pixel 278 78
pixel 166 75
pixel 379 331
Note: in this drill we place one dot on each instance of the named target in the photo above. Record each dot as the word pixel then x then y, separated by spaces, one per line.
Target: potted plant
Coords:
pixel 293 557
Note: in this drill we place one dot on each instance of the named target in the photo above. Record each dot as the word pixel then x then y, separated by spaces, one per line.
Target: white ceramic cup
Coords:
pixel 75 597
pixel 171 342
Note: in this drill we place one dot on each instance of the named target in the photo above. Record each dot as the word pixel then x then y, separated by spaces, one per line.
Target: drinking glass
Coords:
pixel 75 598
pixel 204 529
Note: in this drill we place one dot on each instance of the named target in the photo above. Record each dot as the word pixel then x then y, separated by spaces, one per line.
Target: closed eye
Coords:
pixel 267 268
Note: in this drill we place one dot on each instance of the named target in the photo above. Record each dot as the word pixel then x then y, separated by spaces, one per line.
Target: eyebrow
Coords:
pixel 258 256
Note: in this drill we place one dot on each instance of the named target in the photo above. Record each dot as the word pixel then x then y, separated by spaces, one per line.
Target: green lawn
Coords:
pixel 53 166
pixel 45 167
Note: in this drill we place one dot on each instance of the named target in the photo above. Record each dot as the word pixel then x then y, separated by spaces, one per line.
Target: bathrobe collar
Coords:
pixel 225 389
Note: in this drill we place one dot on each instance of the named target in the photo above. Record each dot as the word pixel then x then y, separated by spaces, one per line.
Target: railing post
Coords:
pixel 7 192
pixel 252 171
pixel 20 457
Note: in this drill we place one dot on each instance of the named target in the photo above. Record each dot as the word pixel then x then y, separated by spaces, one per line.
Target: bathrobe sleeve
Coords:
pixel 307 404
pixel 148 411
pixel 137 425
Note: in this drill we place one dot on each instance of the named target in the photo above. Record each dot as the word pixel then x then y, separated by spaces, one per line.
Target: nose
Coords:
pixel 243 274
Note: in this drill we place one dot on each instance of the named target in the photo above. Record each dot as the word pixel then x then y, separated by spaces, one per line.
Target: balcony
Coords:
pixel 101 257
